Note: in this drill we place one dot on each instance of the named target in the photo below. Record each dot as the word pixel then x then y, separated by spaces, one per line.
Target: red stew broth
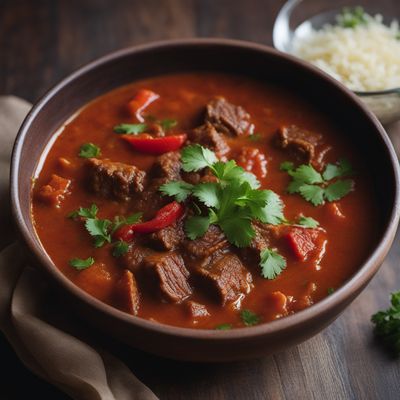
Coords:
pixel 183 97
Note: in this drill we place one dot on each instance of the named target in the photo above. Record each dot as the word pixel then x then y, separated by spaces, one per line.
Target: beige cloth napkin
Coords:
pixel 32 328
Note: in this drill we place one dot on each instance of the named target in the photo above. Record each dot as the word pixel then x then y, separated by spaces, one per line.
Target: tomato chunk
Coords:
pixel 164 217
pixel 155 145
pixel 55 191
pixel 137 105
pixel 303 242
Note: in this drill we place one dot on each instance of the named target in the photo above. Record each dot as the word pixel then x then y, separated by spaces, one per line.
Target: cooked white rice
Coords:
pixel 364 58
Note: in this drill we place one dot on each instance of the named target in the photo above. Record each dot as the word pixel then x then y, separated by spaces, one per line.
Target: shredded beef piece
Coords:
pixel 170 275
pixel 167 166
pixel 228 118
pixel 196 310
pixel 300 142
pixel 126 295
pixel 225 276
pixel 114 179
pixel 169 238
pixel 207 136
pixel 134 257
pixel 212 241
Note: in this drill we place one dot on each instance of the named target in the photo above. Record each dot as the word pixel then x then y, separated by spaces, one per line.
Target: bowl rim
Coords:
pixel 353 285
pixel 282 18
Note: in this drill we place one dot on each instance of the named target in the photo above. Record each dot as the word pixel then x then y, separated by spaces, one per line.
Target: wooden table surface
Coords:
pixel 41 41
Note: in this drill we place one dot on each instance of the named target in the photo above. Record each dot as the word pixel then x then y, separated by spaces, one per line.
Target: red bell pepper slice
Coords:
pixel 143 98
pixel 155 145
pixel 164 217
pixel 303 242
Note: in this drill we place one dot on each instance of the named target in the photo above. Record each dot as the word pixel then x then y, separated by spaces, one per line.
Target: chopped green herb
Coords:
pixel 130 129
pixel 308 222
pixel 100 230
pixel 120 248
pixel 90 212
pixel 168 123
pixel 286 166
pixel 387 325
pixel 317 188
pixel 120 221
pixel 89 150
pixel 352 17
pixel 331 290
pixel 231 202
pixel 272 263
pixel 178 189
pixel 255 137
pixel 249 318
pixel 81 264
pixel 223 327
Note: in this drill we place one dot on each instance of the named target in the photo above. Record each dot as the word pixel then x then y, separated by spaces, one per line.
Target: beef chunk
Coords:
pixel 134 257
pixel 225 276
pixel 168 166
pixel 300 142
pixel 207 136
pixel 55 191
pixel 170 237
pixel 212 241
pixel 196 310
pixel 228 118
pixel 170 275
pixel 115 179
pixel 126 294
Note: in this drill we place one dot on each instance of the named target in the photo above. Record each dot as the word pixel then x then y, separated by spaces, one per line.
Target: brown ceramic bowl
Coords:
pixel 249 59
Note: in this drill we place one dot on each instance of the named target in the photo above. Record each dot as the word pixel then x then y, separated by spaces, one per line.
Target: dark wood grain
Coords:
pixel 41 41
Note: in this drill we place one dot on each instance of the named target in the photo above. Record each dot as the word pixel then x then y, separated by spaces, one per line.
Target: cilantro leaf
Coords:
pixel 196 226
pixel 286 166
pixel 178 189
pixel 340 169
pixel 130 129
pixel 120 248
pixel 230 171
pixel 168 123
pixel 207 193
pixel 272 212
pixel 313 194
pixel 387 325
pixel 196 157
pixel 331 290
pixel 272 263
pixel 99 229
pixel 238 229
pixel 90 212
pixel 249 318
pixel 120 221
pixel 338 189
pixel 352 17
pixel 80 264
pixel 255 137
pixel 308 222
pixel 223 327
pixel 89 150
pixel 306 174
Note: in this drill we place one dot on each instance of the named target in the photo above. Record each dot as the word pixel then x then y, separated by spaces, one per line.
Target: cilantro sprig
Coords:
pixel 89 150
pixel 81 264
pixel 316 187
pixel 352 17
pixel 101 230
pixel 231 202
pixel 249 318
pixel 130 129
pixel 387 325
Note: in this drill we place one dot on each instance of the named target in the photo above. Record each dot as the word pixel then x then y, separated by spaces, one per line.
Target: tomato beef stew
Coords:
pixel 204 200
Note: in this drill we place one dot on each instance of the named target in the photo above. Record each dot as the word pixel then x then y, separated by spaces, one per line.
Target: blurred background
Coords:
pixel 42 41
